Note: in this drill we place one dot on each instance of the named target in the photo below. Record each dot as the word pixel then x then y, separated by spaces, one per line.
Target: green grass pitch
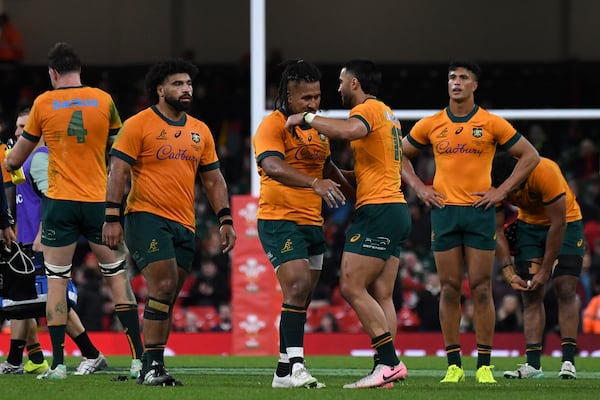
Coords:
pixel 247 378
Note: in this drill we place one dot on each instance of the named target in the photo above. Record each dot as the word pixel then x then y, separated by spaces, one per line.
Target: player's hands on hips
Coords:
pixel 112 234
pixel 430 197
pixel 489 198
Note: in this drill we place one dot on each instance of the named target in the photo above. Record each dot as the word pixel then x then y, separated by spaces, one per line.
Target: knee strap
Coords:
pixel 57 271
pixel 112 269
pixel 157 310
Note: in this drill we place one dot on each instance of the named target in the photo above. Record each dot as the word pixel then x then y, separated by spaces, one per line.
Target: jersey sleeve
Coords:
pixel 268 141
pixel 128 143
pixel 419 134
pixel 544 180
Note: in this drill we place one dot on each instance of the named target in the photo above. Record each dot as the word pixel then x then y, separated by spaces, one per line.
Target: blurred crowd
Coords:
pixel 222 100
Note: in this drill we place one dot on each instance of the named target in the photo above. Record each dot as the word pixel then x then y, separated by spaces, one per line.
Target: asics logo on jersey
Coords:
pixel 580 243
pixel 177 134
pixel 459 130
pixel 58 104
pixel 166 152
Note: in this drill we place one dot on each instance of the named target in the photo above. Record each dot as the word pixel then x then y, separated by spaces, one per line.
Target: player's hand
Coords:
pixel 330 192
pixel 430 197
pixel 514 280
pixel 228 237
pixel 519 284
pixel 539 280
pixel 9 236
pixel 112 234
pixel 294 119
pixel 488 198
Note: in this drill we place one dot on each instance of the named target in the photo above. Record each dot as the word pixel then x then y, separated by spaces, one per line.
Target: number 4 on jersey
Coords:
pixel 76 126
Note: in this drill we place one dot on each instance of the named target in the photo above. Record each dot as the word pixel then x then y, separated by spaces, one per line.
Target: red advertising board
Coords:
pixel 357 344
pixel 256 298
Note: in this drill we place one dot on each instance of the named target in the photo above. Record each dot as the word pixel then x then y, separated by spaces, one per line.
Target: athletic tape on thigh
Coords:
pixel 526 269
pixel 57 271
pixel 113 269
pixel 156 309
pixel 316 262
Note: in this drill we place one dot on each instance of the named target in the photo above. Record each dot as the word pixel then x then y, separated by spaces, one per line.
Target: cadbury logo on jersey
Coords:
pixel 59 104
pixel 444 147
pixel 166 152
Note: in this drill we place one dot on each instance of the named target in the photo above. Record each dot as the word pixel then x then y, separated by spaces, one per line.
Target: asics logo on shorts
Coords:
pixel 355 238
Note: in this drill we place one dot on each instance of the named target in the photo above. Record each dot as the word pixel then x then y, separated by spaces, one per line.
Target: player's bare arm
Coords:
pixel 282 172
pixel 557 212
pixel 528 159
pixel 429 196
pixel 216 193
pixel 343 129
pixel 504 257
pixel 112 231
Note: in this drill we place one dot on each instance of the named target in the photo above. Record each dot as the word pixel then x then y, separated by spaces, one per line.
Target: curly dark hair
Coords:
pixel 470 65
pixel 63 58
pixel 295 71
pixel 159 72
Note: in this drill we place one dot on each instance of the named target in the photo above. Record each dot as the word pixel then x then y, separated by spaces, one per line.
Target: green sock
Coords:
pixel 293 319
pixel 484 355
pixel 57 336
pixel 35 353
pixel 533 352
pixel 569 348
pixel 154 352
pixel 128 316
pixel 15 354
pixel 453 355
pixel 384 345
pixel 87 348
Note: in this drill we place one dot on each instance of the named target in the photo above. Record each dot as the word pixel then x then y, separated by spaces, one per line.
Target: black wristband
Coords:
pixel 226 222
pixel 225 212
pixel 112 204
pixel 112 218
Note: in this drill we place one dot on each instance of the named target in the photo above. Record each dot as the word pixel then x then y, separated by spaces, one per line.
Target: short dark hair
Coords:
pixel 367 74
pixel 63 58
pixel 24 111
pixel 502 167
pixel 160 71
pixel 470 65
pixel 295 71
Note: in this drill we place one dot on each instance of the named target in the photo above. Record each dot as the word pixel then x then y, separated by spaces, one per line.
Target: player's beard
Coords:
pixel 176 104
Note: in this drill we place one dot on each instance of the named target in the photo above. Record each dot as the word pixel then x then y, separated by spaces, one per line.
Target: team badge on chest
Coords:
pixel 477 132
pixel 195 137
